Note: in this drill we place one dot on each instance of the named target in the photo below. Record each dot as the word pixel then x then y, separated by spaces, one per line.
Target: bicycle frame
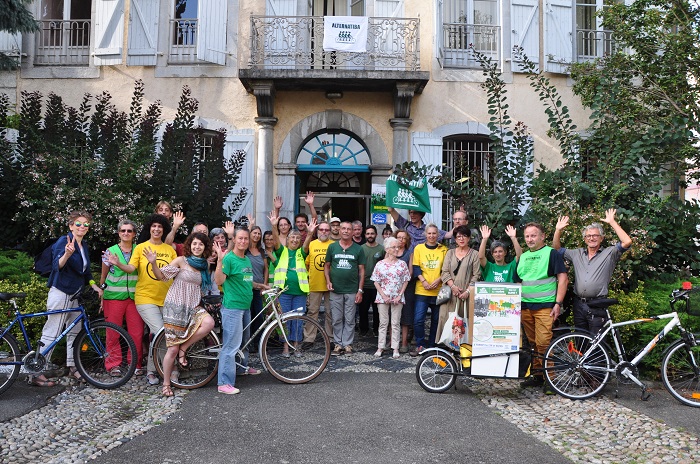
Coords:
pixel 19 319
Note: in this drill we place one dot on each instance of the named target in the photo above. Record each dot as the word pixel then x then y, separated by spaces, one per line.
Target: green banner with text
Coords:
pixel 405 194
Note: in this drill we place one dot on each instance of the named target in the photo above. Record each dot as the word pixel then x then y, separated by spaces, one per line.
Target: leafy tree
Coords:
pixel 14 18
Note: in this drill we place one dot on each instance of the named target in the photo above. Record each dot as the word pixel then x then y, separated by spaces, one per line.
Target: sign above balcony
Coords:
pixel 345 33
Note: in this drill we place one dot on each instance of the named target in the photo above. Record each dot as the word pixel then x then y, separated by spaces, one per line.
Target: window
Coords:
pixel 592 41
pixel 469 157
pixel 466 22
pixel 183 43
pixel 64 33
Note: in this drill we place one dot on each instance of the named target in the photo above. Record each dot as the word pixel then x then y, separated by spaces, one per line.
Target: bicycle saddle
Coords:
pixel 9 296
pixel 602 302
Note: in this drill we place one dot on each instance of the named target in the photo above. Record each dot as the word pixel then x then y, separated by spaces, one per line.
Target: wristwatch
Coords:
pixel 361 291
pixel 559 303
pixel 103 286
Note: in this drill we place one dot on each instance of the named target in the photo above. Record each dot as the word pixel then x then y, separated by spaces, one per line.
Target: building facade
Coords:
pixel 331 122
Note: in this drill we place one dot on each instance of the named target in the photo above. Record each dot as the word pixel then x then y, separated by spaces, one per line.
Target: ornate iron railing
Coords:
pixel 591 44
pixel 64 43
pixel 456 38
pixel 296 42
pixel 183 41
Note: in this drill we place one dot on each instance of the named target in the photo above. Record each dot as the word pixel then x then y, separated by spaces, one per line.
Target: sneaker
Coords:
pixel 152 378
pixel 251 371
pixel 337 351
pixel 228 389
pixel 378 353
pixel 348 349
pixel 533 381
pixel 548 390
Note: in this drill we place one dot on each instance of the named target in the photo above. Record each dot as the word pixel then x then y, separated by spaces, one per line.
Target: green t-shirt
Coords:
pixel 372 256
pixel 344 270
pixel 492 272
pixel 238 286
pixel 292 277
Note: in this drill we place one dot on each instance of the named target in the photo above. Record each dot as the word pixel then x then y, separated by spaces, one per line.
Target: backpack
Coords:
pixel 43 262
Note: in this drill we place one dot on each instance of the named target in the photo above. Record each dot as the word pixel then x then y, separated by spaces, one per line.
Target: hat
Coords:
pixel 334 219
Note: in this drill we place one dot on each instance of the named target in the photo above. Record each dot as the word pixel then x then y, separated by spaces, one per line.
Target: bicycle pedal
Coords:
pixel 646 394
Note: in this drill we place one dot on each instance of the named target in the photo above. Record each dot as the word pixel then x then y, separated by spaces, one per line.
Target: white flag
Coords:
pixel 345 33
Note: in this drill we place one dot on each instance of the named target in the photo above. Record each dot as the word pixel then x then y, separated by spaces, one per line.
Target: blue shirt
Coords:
pixel 75 273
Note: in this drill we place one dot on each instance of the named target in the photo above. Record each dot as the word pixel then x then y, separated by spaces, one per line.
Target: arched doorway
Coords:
pixel 335 164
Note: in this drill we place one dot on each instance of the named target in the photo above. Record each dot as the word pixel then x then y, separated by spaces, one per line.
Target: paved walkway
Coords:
pixel 82 422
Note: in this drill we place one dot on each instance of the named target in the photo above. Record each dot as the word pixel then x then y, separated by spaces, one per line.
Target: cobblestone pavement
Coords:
pixel 83 422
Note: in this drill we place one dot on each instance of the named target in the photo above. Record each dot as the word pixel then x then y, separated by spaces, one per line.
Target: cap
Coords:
pixel 334 219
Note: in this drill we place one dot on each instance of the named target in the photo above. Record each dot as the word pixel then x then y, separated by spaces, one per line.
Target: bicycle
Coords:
pixel 98 349
pixel 299 366
pixel 579 364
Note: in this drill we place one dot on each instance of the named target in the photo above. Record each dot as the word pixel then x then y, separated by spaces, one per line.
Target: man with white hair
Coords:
pixel 593 268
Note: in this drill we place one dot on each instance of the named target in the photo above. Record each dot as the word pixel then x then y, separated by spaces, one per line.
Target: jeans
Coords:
pixel 368 300
pixel 422 303
pixel 290 303
pixel 231 337
pixel 587 318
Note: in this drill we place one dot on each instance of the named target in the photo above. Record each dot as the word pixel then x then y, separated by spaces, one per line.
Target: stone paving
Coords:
pixel 83 422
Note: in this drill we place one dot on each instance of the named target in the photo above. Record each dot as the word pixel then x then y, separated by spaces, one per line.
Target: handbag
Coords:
pixel 444 295
pixel 455 332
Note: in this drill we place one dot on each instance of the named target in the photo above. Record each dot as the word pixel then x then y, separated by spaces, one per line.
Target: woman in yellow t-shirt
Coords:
pixel 150 291
pixel 427 267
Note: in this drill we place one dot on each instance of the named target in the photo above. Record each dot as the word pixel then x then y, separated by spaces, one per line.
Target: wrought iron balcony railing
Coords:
pixel 183 41
pixel 65 43
pixel 296 42
pixel 456 38
pixel 591 44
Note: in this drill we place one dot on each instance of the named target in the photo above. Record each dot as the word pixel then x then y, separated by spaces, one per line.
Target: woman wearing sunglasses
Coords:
pixel 70 273
pixel 118 298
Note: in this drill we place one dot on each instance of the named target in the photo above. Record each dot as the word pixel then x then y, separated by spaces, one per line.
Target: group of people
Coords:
pixel 155 282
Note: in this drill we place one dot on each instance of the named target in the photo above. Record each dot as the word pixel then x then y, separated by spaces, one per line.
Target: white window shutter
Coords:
pixel 524 19
pixel 558 36
pixel 235 142
pixel 211 31
pixel 143 33
pixel 281 8
pixel 426 149
pixel 109 32
pixel 388 8
pixel 11 44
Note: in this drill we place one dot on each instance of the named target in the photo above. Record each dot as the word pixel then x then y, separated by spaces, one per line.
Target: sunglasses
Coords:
pixel 82 224
pixel 126 231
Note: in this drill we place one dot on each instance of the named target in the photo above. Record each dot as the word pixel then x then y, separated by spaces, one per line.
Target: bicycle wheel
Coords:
pixel 571 372
pixel 9 352
pixel 680 373
pixel 435 372
pixel 105 356
pixel 300 366
pixel 202 361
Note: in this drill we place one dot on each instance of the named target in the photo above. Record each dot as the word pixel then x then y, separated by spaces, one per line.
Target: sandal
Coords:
pixel 37 382
pixel 167 391
pixel 73 372
pixel 182 358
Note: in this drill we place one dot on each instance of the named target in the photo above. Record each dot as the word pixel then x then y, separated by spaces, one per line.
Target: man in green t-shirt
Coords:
pixel 345 276
pixel 373 252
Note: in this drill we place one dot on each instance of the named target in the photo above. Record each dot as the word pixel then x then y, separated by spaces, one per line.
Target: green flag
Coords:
pixel 405 194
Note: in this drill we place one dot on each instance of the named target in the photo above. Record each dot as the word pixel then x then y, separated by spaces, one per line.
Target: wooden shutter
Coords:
pixel 525 28
pixel 143 33
pixel 242 140
pixel 109 32
pixel 559 36
pixel 281 8
pixel 388 8
pixel 426 149
pixel 211 31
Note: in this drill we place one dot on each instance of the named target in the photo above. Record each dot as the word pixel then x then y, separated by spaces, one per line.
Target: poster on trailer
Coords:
pixel 496 329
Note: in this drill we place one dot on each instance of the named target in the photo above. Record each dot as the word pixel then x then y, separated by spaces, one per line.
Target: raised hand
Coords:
pixel 610 216
pixel 178 219
pixel 70 245
pixel 229 228
pixel 112 258
pixel 277 202
pixel 485 232
pixel 311 226
pixel 511 231
pixel 274 219
pixel 562 222
pixel 220 252
pixel 150 255
pixel 309 200
pixel 251 220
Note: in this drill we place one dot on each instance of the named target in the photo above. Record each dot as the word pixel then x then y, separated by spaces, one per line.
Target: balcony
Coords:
pixel 592 44
pixel 183 41
pixel 289 50
pixel 456 37
pixel 63 43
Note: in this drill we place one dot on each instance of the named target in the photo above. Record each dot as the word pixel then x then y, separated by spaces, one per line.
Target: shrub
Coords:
pixel 15 267
pixel 35 301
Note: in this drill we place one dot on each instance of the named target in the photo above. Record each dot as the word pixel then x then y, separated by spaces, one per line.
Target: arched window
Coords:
pixel 333 151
